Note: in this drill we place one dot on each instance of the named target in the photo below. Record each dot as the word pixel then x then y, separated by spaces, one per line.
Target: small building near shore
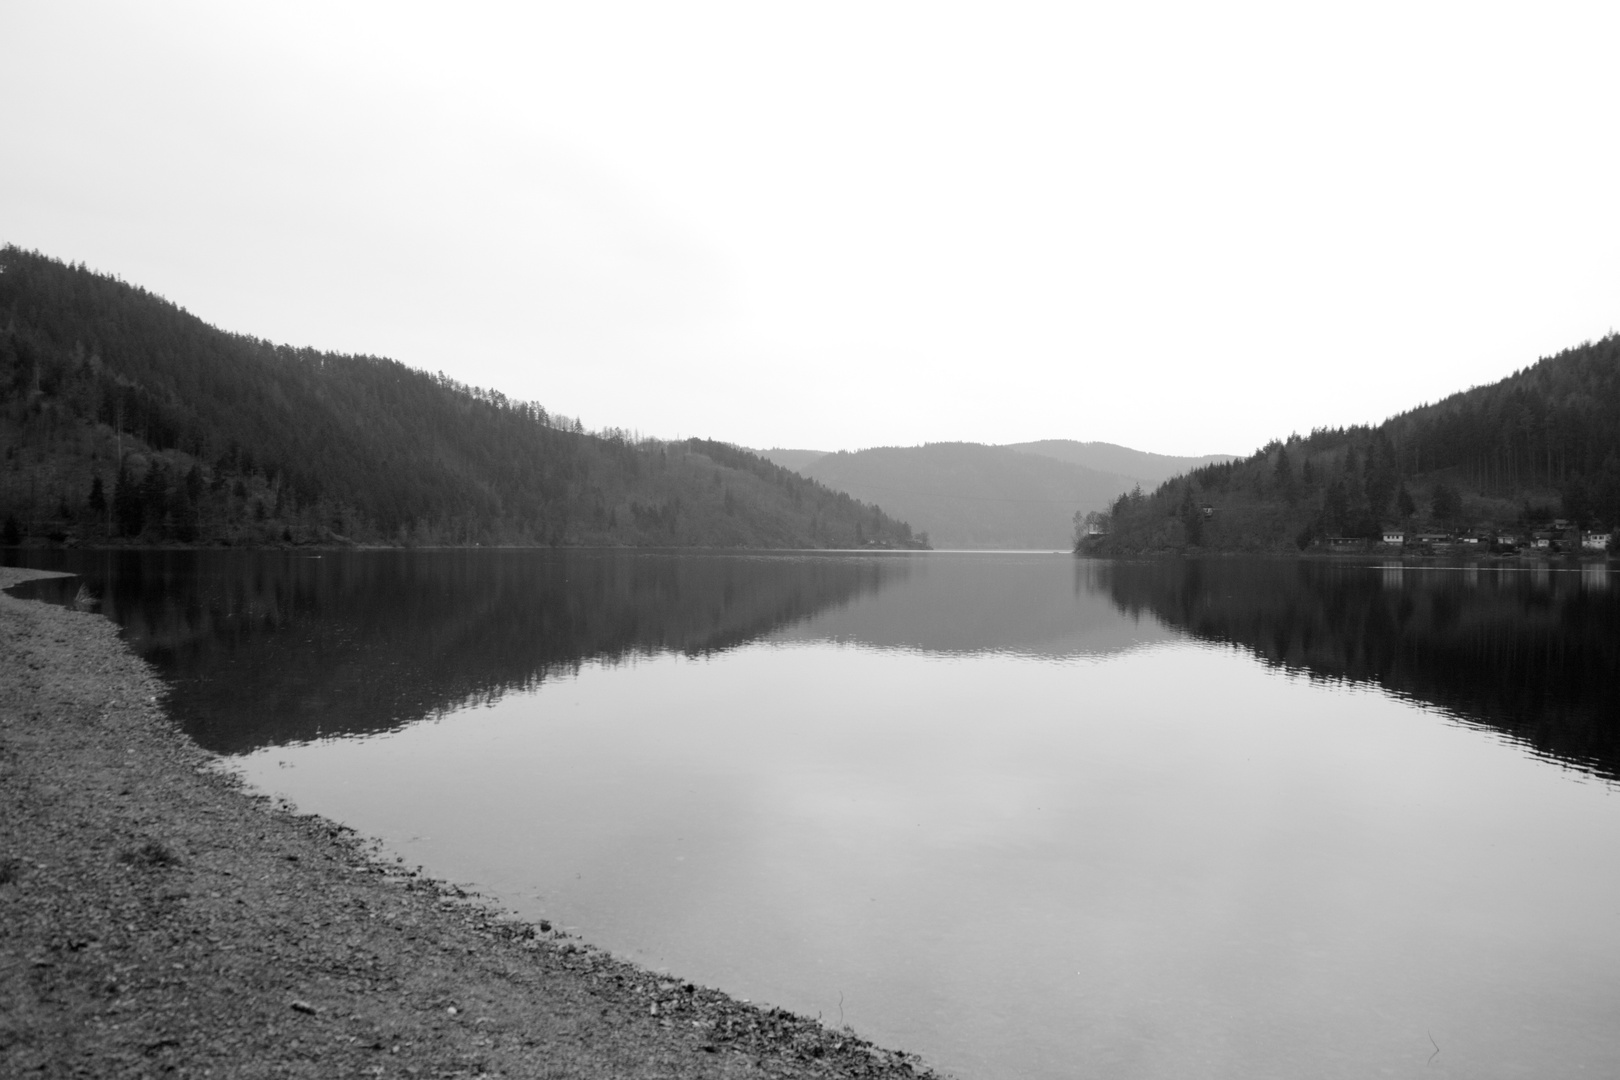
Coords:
pixel 1595 541
pixel 1395 536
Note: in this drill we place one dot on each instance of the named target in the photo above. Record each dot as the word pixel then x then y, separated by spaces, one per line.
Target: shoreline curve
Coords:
pixel 162 918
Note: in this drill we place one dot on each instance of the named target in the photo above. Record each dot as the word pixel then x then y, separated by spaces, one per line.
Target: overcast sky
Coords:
pixel 1186 228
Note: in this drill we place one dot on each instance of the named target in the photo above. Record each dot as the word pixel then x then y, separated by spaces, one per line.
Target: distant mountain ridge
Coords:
pixel 1147 469
pixel 797 460
pixel 972 495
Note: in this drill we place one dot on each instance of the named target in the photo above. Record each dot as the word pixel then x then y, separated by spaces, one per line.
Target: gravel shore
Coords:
pixel 158 919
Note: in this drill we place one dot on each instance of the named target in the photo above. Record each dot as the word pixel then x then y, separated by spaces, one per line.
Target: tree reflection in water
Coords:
pixel 1530 652
pixel 267 648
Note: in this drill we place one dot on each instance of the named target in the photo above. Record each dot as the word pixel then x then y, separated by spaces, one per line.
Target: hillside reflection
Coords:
pixel 1528 652
pixel 267 648
pixel 960 605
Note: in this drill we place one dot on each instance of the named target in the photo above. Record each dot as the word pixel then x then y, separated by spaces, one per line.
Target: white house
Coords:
pixel 1394 536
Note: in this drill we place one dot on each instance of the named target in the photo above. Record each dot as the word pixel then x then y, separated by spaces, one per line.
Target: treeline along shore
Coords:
pixel 156 918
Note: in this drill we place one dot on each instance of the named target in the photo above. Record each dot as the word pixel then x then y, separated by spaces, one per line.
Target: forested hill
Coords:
pixel 123 417
pixel 1542 444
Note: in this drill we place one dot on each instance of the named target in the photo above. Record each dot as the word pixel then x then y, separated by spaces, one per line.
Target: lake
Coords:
pixel 1023 814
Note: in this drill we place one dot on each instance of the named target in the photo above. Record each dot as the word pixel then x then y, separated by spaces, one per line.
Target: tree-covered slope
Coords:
pixel 1540 444
pixel 122 416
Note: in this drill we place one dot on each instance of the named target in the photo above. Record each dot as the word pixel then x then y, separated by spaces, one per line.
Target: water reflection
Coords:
pixel 953 801
pixel 266 648
pixel 954 604
pixel 1530 653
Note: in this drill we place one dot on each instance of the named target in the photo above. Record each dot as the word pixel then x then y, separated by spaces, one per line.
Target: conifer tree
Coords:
pixel 127 506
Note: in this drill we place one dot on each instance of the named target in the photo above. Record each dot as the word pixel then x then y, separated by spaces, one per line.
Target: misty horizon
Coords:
pixel 1190 235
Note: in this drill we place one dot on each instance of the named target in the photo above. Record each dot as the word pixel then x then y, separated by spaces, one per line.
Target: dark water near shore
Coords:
pixel 1024 814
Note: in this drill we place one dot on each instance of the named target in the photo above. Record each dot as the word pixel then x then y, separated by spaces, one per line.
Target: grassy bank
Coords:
pixel 157 919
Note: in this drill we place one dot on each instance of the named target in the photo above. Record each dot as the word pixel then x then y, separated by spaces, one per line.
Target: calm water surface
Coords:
pixel 1025 815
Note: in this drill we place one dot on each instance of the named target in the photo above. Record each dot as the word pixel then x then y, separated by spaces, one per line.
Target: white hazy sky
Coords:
pixel 1181 227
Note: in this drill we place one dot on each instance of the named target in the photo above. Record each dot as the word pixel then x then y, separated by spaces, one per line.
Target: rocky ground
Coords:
pixel 157 919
